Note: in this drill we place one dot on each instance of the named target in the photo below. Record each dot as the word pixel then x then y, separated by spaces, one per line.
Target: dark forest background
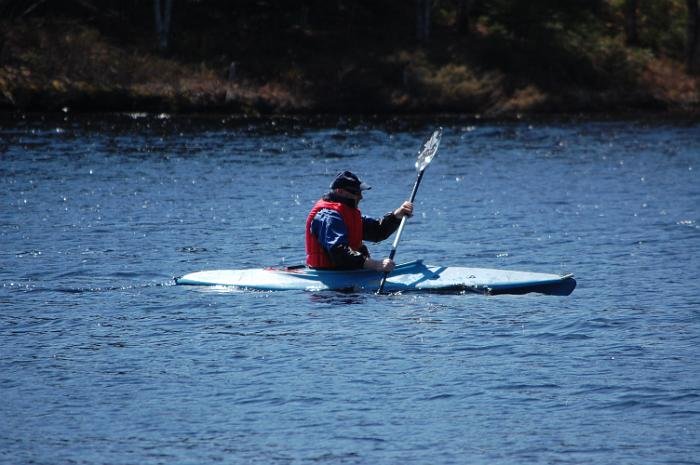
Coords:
pixel 494 57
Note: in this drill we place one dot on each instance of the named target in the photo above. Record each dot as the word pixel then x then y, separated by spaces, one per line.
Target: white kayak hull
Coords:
pixel 408 277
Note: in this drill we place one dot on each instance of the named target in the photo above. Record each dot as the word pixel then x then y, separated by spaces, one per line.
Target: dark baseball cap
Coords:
pixel 350 182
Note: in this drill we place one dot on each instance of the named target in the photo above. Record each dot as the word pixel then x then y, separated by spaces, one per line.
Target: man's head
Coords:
pixel 349 185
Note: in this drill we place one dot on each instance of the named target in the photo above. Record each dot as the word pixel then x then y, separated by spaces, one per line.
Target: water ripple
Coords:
pixel 104 360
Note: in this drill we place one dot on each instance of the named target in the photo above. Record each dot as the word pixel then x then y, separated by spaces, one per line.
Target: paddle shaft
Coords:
pixel 395 245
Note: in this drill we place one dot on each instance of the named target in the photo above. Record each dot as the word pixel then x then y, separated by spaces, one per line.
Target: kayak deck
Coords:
pixel 407 277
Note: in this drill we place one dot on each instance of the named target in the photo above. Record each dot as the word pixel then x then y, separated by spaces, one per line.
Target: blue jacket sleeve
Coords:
pixel 330 230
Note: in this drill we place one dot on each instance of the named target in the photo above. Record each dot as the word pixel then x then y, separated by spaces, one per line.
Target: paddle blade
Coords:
pixel 428 151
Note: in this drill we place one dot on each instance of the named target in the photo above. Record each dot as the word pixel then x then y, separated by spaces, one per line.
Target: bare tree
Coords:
pixel 464 19
pixel 693 38
pixel 423 10
pixel 163 14
pixel 631 30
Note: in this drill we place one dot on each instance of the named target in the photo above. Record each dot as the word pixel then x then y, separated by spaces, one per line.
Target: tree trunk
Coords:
pixel 693 38
pixel 423 10
pixel 464 20
pixel 163 17
pixel 631 31
pixel 304 16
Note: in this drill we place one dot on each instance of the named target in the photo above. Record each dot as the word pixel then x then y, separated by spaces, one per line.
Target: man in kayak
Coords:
pixel 335 228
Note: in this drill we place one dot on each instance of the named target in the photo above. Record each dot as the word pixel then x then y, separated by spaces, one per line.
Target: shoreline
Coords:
pixel 398 120
pixel 254 102
pixel 47 65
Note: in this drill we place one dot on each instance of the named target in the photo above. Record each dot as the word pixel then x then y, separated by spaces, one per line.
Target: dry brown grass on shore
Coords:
pixel 667 80
pixel 49 65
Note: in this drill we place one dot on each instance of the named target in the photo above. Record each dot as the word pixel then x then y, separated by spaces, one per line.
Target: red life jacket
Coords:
pixel 316 255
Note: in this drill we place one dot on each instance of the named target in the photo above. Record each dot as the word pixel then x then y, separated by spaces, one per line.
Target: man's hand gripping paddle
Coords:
pixel 425 156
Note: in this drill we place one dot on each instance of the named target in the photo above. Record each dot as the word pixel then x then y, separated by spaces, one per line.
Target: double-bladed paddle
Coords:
pixel 425 156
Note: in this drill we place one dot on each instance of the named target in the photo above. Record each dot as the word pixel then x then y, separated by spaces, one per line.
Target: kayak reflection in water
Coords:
pixel 335 228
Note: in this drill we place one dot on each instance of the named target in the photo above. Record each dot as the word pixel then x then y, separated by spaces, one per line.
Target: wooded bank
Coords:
pixel 493 57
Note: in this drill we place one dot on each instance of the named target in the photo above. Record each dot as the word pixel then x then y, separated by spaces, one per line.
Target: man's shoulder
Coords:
pixel 327 214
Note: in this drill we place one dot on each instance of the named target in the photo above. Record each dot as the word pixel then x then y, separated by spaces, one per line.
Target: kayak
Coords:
pixel 407 277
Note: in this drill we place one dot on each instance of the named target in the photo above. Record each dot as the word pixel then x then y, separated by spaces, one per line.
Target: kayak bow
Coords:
pixel 408 277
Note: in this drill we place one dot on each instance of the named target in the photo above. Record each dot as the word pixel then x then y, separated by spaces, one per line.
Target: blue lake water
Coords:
pixel 103 360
